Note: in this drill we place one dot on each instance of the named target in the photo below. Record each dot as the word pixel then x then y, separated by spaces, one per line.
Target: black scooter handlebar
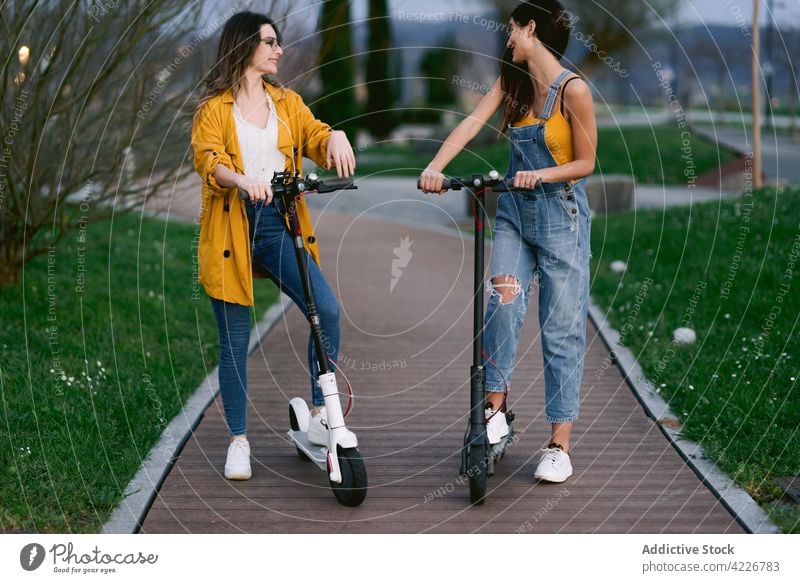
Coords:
pixel 493 182
pixel 308 184
pixel 335 184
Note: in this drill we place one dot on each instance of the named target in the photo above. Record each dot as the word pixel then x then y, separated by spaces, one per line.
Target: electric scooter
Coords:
pixel 478 457
pixel 340 458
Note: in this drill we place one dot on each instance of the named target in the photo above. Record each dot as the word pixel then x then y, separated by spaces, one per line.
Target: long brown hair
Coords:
pixel 240 37
pixel 553 29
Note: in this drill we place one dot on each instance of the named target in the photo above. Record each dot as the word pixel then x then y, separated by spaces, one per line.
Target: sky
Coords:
pixel 787 12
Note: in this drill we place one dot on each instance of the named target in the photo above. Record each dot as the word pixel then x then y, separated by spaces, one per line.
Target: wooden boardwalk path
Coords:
pixel 407 352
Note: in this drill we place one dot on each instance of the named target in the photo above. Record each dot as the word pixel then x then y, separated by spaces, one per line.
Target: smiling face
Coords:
pixel 268 53
pixel 521 40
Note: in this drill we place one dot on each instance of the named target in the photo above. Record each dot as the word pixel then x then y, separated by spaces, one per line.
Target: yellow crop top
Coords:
pixel 557 131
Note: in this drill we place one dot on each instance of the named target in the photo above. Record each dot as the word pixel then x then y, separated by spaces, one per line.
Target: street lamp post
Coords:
pixel 769 67
pixel 756 91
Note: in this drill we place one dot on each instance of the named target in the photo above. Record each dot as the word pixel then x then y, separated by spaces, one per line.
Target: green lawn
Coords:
pixel 654 155
pixel 103 341
pixel 730 272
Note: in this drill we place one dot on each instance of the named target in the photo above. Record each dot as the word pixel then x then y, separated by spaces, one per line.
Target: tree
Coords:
pixel 437 67
pixel 609 26
pixel 380 119
pixel 90 124
pixel 337 104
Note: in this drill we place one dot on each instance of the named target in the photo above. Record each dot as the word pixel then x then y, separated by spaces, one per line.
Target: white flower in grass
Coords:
pixel 727 316
pixel 618 266
pixel 684 336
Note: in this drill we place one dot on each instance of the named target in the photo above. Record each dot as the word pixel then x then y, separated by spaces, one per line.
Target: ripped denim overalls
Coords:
pixel 544 233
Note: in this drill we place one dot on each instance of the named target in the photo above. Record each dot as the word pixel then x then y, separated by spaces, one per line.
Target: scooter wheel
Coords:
pixel 296 427
pixel 353 489
pixel 477 474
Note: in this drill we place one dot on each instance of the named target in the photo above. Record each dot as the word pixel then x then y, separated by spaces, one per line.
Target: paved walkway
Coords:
pixel 407 353
pixel 780 154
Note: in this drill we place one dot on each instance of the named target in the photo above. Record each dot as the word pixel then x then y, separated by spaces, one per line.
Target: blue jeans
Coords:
pixel 271 249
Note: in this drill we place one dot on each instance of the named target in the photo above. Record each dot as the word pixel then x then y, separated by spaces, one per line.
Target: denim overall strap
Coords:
pixel 551 96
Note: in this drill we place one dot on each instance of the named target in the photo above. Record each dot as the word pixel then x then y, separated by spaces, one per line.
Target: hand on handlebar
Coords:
pixel 527 179
pixel 256 190
pixel 431 181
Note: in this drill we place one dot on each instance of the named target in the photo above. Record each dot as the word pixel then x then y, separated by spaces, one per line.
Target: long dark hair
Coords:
pixel 240 37
pixel 553 28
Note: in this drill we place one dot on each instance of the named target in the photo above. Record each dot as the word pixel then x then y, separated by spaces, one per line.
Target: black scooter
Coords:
pixel 478 457
pixel 340 458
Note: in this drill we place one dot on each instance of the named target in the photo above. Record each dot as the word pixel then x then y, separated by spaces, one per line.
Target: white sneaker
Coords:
pixel 237 465
pixel 318 428
pixel 496 426
pixel 554 466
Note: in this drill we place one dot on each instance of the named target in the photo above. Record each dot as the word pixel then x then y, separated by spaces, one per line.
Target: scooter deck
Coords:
pixel 317 453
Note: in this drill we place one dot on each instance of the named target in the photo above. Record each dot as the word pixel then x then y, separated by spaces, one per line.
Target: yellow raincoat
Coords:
pixel 225 265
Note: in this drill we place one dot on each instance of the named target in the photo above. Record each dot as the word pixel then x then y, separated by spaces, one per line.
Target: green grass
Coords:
pixel 735 390
pixel 654 155
pixel 90 378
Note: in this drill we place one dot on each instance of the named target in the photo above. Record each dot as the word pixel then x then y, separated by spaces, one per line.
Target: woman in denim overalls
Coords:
pixel 543 230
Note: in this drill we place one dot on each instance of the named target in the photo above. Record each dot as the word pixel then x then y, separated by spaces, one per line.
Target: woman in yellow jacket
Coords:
pixel 245 128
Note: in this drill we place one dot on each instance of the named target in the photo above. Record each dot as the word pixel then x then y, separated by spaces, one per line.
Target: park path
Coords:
pixel 407 349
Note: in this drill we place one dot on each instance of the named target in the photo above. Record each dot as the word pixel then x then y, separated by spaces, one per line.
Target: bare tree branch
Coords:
pixel 82 113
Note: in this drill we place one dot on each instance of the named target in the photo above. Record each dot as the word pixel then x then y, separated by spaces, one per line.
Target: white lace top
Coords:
pixel 259 146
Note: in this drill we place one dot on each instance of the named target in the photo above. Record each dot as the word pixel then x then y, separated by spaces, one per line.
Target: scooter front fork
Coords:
pixel 338 434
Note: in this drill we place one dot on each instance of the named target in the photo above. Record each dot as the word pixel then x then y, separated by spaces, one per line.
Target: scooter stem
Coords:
pixel 308 290
pixel 477 371
pixel 480 221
